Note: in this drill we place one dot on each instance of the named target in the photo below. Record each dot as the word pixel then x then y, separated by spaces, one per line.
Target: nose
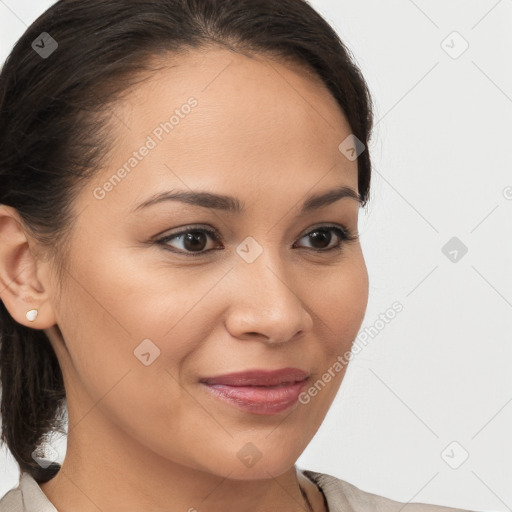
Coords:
pixel 264 304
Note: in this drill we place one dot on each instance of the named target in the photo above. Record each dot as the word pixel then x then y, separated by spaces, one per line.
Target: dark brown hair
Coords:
pixel 53 135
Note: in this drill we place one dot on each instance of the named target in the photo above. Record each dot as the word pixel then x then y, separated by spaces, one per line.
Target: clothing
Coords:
pixel 340 496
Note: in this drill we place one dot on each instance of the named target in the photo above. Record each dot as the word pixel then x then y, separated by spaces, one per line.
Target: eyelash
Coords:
pixel 344 234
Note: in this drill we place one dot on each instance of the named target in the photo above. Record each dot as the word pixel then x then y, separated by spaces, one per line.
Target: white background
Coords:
pixel 439 372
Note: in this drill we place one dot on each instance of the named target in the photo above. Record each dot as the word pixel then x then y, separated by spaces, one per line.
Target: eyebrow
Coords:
pixel 233 205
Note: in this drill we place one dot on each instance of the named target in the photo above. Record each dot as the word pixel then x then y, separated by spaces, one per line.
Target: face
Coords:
pixel 158 297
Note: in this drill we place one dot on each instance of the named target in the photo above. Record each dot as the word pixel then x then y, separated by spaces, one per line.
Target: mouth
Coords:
pixel 259 377
pixel 258 391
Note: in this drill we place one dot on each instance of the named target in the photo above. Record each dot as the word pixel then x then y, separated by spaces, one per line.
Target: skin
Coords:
pixel 266 132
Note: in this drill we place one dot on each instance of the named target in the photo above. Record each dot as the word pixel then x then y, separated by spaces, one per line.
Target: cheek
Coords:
pixel 339 302
pixel 126 302
pixel 131 333
pixel 140 392
pixel 113 320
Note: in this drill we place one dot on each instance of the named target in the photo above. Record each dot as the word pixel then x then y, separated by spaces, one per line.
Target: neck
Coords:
pixel 106 469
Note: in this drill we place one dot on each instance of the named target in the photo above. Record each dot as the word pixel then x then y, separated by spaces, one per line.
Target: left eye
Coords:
pixel 194 240
pixel 323 236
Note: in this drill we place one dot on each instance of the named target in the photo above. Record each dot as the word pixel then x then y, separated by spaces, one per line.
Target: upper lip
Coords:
pixel 259 377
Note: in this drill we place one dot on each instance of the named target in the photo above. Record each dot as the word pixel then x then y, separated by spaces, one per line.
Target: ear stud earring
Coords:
pixel 31 315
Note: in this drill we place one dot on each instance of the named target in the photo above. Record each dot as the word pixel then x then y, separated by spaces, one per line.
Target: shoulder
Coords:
pixel 12 501
pixel 26 497
pixel 346 497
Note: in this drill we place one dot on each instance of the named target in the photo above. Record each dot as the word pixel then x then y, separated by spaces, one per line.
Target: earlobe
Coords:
pixel 31 315
pixel 23 294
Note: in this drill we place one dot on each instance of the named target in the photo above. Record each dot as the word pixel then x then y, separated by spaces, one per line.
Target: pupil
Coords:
pixel 193 241
pixel 322 236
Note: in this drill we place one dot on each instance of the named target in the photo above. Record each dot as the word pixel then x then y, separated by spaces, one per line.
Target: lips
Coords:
pixel 258 378
pixel 260 392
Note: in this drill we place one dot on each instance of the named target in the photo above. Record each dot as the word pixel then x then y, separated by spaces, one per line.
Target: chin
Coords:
pixel 252 464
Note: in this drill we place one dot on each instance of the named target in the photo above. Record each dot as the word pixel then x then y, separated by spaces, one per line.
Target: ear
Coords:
pixel 23 277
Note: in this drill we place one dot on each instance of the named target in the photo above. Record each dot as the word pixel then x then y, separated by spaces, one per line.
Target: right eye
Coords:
pixel 192 240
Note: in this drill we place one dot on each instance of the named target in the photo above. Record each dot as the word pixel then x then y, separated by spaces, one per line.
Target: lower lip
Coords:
pixel 259 399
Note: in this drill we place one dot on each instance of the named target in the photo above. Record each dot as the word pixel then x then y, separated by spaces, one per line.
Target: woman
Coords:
pixel 180 266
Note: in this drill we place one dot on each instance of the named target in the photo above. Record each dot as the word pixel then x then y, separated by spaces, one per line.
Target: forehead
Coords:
pixel 219 119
